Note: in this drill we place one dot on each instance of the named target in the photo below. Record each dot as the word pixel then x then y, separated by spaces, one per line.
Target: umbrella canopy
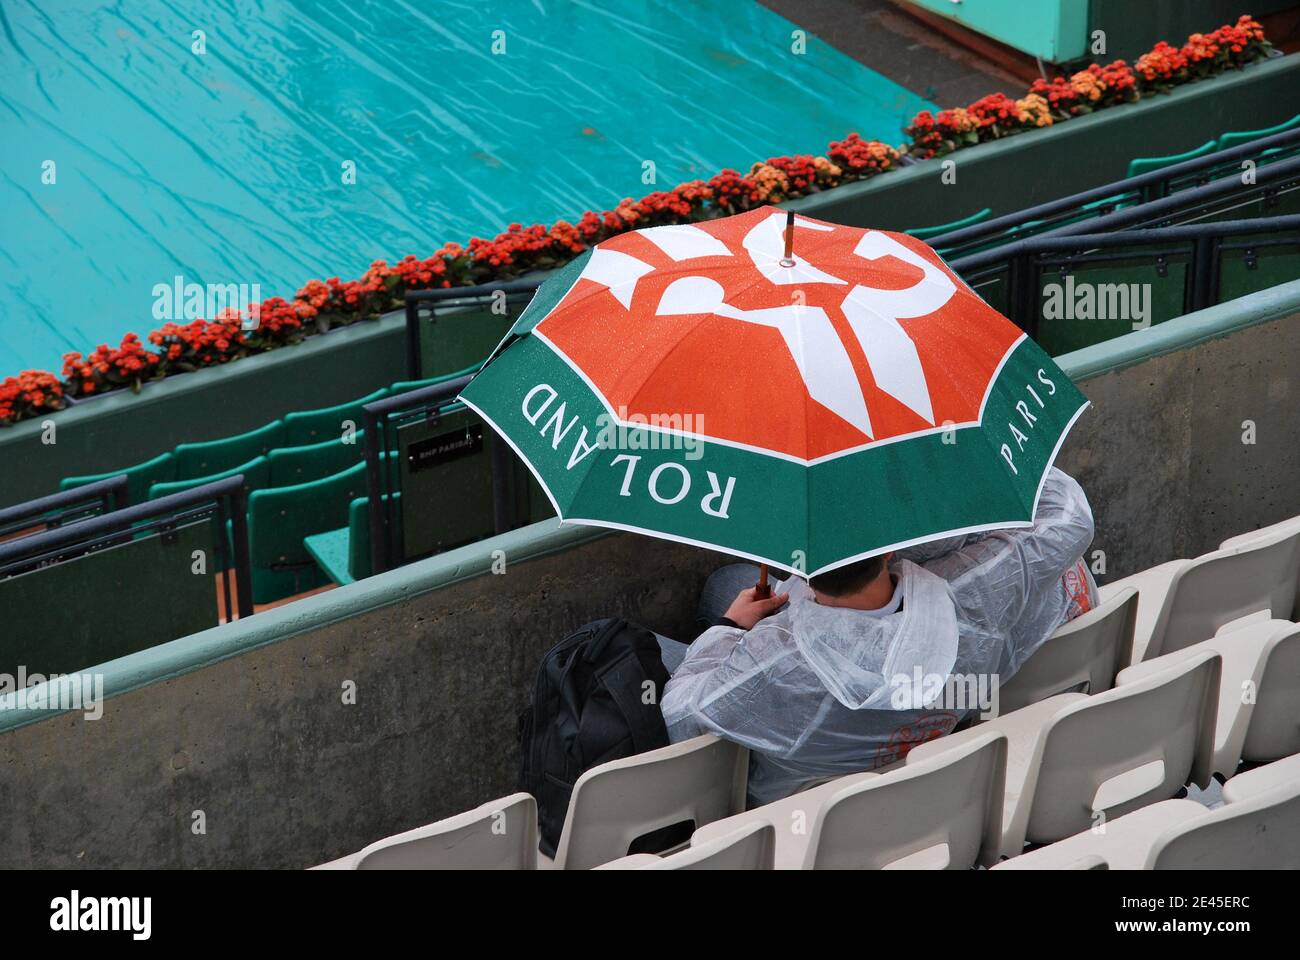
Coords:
pixel 693 383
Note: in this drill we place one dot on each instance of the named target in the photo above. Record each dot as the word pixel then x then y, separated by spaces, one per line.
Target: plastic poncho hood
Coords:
pixel 868 661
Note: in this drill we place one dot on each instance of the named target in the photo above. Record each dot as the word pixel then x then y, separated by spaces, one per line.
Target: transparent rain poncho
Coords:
pixel 817 692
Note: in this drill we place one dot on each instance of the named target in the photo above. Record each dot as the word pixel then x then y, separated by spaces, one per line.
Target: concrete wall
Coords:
pixel 246 722
pixel 1008 175
pixel 260 740
pixel 1162 454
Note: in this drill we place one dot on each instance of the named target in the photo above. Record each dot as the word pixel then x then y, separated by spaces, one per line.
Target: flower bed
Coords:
pixel 320 305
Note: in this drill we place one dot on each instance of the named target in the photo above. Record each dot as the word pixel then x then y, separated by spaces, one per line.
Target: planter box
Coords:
pixel 122 428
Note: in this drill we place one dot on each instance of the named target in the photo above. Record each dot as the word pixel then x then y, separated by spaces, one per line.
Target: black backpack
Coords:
pixel 589 706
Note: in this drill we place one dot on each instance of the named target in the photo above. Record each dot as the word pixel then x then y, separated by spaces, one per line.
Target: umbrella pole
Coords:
pixel 762 590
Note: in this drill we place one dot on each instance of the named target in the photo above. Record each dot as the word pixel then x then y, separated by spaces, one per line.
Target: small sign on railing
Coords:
pixel 444 448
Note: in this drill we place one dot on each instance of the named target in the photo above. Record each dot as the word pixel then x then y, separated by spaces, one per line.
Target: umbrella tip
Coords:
pixel 788 260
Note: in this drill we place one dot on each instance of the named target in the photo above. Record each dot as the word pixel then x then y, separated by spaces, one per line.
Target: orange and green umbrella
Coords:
pixel 803 409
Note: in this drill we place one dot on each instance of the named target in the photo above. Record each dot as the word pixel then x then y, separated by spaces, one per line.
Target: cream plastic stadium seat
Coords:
pixel 699 780
pixel 1152 586
pixel 1072 756
pixel 752 847
pixel 944 813
pixel 1259 693
pixel 1290 525
pixel 1085 653
pixel 1261 832
pixel 1186 601
pixel 633 861
pixel 1092 862
pixel 500 835
pixel 1262 779
pixel 1121 844
pixel 791 818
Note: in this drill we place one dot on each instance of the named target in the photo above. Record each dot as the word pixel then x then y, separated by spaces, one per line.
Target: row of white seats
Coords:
pixel 1258 827
pixel 1184 602
pixel 1039 773
pixel 1174 711
pixel 938 812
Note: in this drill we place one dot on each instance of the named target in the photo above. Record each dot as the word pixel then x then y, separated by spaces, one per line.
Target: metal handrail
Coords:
pixel 1206 241
pixel 111 492
pixel 95 530
pixel 1044 211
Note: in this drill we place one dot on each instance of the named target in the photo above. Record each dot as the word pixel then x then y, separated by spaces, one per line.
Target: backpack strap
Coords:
pixel 622 678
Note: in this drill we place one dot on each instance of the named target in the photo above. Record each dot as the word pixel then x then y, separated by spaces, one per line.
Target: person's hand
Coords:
pixel 746 610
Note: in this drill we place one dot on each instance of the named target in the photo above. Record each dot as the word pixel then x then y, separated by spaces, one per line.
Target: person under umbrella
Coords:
pixel 824 400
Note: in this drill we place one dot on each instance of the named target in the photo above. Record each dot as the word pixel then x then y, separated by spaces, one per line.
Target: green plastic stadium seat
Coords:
pixel 330 551
pixel 312 426
pixel 344 554
pixel 213 457
pixel 140 478
pixel 1089 211
pixel 359 537
pixel 294 465
pixel 256 475
pixel 280 518
pixel 1237 137
pixel 402 386
pixel 1142 165
pixel 925 233
pixel 358 559
pixel 1115 200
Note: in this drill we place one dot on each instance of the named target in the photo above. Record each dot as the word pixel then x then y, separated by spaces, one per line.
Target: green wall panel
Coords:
pixel 109 603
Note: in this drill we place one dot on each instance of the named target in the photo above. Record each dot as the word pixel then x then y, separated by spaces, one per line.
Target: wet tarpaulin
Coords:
pixel 214 139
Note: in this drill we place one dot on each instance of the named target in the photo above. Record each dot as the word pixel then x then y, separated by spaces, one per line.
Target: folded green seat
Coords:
pixel 256 475
pixel 344 554
pixel 315 461
pixel 304 427
pixel 280 518
pixel 211 457
pixel 1142 165
pixel 142 476
pixel 925 233
pixel 1236 138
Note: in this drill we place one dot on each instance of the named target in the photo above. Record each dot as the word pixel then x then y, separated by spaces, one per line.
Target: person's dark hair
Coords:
pixel 849 578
